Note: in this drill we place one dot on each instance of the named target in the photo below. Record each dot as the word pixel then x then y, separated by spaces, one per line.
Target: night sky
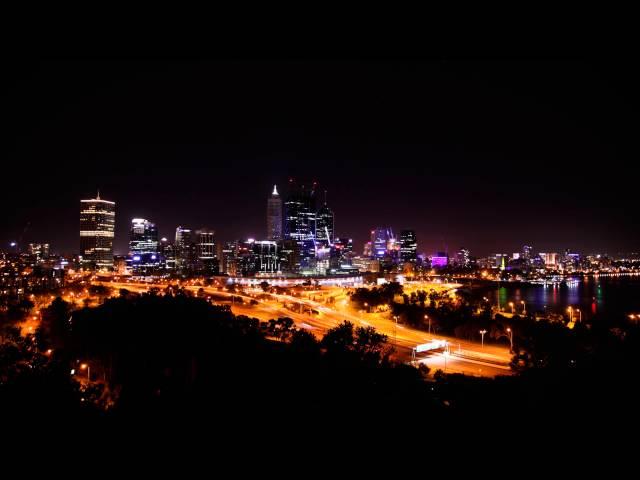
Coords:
pixel 489 155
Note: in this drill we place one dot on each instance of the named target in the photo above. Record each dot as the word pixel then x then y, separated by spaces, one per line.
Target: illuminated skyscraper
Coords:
pixel 463 258
pixel 266 256
pixel 143 246
pixel 408 246
pixel 274 216
pixel 206 251
pixel 380 239
pixel 324 224
pixel 185 250
pixel 97 226
pixel 300 221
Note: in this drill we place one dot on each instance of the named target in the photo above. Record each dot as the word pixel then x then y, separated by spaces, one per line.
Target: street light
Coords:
pixel 426 317
pixel 446 354
pixel 570 310
pixel 512 308
pixel 86 367
pixel 510 339
pixel 395 331
pixel 524 307
pixel 579 315
pixel 482 332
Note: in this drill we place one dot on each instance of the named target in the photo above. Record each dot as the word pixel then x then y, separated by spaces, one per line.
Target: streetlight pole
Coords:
pixel 88 368
pixel 524 307
pixel 395 332
pixel 513 310
pixel 482 332
pixel 510 332
pixel 446 354
pixel 579 315
pixel 426 317
pixel 570 310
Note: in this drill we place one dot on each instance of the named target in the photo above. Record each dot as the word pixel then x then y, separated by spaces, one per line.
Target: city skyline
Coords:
pixel 122 241
pixel 465 153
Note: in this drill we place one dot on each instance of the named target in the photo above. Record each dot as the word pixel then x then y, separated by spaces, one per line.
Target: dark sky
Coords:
pixel 485 154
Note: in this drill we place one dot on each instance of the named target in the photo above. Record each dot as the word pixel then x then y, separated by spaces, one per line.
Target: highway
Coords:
pixel 465 357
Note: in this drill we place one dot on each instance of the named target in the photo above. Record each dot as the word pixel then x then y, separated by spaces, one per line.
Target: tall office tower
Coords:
pixel 324 224
pixel 144 246
pixel 266 256
pixel 206 251
pixel 289 256
pixel 462 258
pixel 367 251
pixel 300 221
pixel 408 246
pixel 168 253
pixel 274 216
pixel 380 238
pixel 527 254
pixel 97 226
pixel 229 259
pixel 184 250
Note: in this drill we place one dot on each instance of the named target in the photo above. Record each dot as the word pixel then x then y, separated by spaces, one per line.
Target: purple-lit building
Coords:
pixel 440 260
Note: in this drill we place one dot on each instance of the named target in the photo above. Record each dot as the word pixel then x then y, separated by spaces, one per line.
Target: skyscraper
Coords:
pixel 143 246
pixel 380 238
pixel 97 226
pixel 408 246
pixel 300 221
pixel 206 251
pixel 266 256
pixel 274 216
pixel 184 250
pixel 324 224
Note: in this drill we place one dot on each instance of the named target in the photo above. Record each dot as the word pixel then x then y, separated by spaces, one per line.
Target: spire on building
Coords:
pixel 275 190
pixel 98 197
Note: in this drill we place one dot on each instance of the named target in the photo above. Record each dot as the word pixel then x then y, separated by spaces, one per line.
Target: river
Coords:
pixel 591 295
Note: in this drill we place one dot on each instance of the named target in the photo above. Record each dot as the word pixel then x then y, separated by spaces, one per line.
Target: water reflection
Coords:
pixel 591 296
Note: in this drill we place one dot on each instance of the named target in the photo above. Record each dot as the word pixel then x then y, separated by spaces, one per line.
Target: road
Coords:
pixel 465 357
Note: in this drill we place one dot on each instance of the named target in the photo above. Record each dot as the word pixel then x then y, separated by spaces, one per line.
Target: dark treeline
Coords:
pixel 178 358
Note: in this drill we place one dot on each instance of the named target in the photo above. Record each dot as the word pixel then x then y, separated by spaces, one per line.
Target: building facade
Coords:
pixel 97 230
pixel 144 249
pixel 274 216
pixel 408 246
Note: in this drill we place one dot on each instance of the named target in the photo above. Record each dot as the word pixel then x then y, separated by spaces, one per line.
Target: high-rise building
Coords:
pixel 550 259
pixel 367 251
pixel 408 246
pixel 300 221
pixel 185 250
pixel 324 224
pixel 289 256
pixel 206 251
pixel 229 258
pixel 463 258
pixel 97 227
pixel 144 246
pixel 274 216
pixel 380 242
pixel 266 256
pixel 168 254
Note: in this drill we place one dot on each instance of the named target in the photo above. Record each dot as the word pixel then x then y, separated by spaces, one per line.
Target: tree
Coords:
pixel 264 285
pixel 56 323
pixel 339 338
